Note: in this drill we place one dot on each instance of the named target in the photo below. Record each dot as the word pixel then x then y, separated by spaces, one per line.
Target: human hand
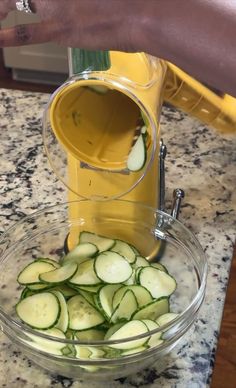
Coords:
pixel 90 24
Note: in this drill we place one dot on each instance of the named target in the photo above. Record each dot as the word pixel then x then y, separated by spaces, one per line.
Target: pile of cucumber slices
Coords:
pixel 102 289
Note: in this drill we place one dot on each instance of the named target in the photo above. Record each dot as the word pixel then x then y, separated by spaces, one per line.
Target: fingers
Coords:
pixel 26 34
pixel 5 7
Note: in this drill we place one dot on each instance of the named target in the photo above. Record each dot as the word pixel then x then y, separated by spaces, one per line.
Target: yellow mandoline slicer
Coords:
pixel 101 129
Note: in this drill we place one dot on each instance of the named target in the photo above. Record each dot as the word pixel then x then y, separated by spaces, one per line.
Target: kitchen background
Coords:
pixel 42 68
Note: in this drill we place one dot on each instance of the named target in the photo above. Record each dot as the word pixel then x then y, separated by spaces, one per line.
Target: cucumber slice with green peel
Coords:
pixel 137 253
pixel 155 339
pixel 124 250
pixel 104 299
pixel 82 352
pixel 39 311
pixel 131 281
pixel 68 351
pixel 140 262
pixel 159 266
pixel 63 321
pixel 166 318
pixel 30 274
pixel 125 308
pixel 112 329
pixel 152 325
pixel 26 292
pixel 85 275
pixel 80 253
pixel 159 283
pixel 39 287
pixel 59 275
pixel 65 290
pixel 130 329
pixel 50 261
pixel 142 295
pixel 47 345
pixel 138 155
pixel 152 310
pixel 88 296
pixel 102 243
pixel 96 352
pixel 91 289
pixel 90 335
pixel 82 315
pixel 112 268
pixel 140 349
pixel 137 274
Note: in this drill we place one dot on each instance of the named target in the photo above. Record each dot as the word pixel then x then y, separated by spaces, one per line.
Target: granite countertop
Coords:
pixel 200 161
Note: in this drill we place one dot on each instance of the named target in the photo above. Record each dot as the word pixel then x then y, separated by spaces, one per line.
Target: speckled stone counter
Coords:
pixel 200 161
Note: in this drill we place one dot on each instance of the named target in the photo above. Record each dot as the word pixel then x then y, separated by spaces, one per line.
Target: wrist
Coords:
pixel 150 32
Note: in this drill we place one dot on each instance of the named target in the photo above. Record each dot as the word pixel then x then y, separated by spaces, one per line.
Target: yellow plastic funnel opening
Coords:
pixel 95 124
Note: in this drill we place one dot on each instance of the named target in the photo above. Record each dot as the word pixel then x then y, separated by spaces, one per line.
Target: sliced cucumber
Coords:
pixel 159 283
pixel 59 275
pixel 91 289
pixel 155 339
pixel 50 261
pixel 152 310
pixel 39 287
pixel 90 335
pixel 102 243
pixel 115 294
pixel 141 262
pixel 130 329
pixel 83 315
pixel 112 329
pixel 88 296
pixel 63 321
pixel 159 266
pixel 82 352
pixel 142 295
pixel 105 296
pixel 81 253
pixel 132 279
pixel 137 253
pixel 166 318
pixel 39 311
pixel 65 290
pixel 112 268
pixel 138 154
pixel 124 250
pixel 85 275
pixel 30 274
pixel 137 274
pixel 125 308
pixel 135 350
pixel 68 351
pixel 26 292
pixel 152 325
pixel 96 352
pixel 47 345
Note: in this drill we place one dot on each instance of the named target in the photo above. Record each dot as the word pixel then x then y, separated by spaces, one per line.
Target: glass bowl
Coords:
pixel 155 234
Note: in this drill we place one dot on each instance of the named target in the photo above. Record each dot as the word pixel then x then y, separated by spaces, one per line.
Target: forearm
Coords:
pixel 199 36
